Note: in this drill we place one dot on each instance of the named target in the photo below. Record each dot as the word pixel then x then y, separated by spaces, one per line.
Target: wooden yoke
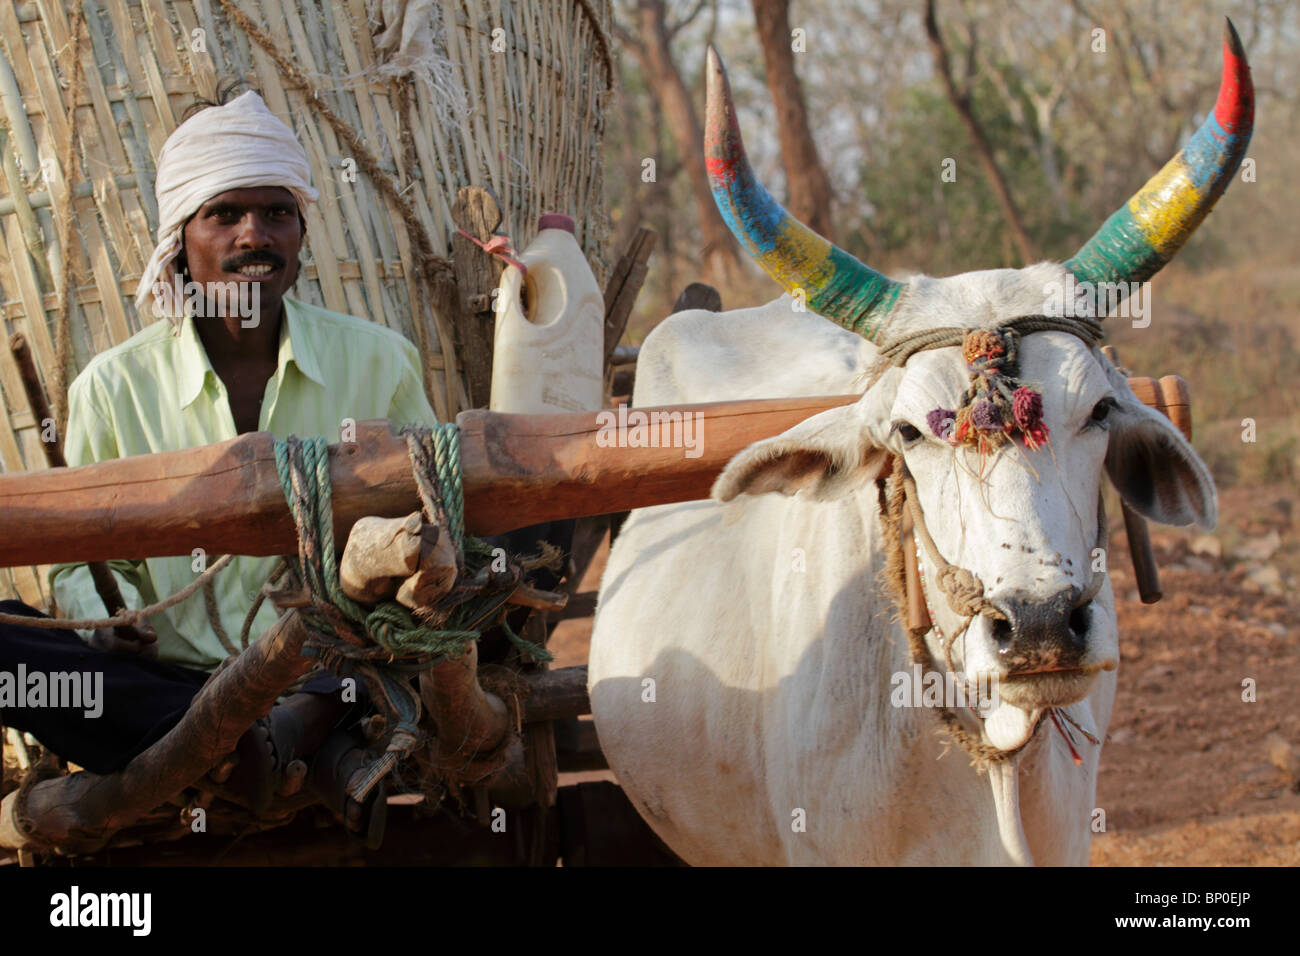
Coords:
pixel 1171 397
pixel 518 470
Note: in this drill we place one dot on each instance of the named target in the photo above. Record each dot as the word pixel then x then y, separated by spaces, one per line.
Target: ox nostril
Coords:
pixel 1050 630
pixel 1080 618
pixel 1003 631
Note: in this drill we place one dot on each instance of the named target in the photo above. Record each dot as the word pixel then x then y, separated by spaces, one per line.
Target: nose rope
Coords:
pixel 965 595
pixel 962 588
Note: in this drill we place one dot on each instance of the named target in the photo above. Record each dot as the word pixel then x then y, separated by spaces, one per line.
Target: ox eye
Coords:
pixel 909 433
pixel 1101 411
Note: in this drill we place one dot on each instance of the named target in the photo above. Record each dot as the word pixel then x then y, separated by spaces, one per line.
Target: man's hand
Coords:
pixel 141 639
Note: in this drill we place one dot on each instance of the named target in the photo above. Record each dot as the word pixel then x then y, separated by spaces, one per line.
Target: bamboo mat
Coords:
pixel 511 94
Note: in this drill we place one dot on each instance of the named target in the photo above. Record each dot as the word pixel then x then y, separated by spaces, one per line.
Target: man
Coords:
pixel 233 185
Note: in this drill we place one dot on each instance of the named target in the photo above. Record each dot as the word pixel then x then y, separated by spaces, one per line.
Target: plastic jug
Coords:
pixel 551 357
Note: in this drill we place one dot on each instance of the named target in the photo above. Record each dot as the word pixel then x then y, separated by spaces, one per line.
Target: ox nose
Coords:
pixel 1041 634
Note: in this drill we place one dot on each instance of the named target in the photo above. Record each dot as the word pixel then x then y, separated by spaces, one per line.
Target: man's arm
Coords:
pixel 410 405
pixel 90 439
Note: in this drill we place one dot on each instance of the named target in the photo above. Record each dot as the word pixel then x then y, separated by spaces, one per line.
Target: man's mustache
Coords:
pixel 267 258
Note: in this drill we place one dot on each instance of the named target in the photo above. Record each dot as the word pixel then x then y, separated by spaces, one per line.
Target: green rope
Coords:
pixel 438 450
pixel 308 492
pixel 538 652
pixel 446 443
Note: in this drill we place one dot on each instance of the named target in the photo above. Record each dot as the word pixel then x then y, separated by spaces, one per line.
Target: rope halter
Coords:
pixel 994 409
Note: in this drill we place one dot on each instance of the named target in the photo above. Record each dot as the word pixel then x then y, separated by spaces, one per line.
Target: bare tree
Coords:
pixel 807 184
pixel 1012 59
pixel 961 102
pixel 652 45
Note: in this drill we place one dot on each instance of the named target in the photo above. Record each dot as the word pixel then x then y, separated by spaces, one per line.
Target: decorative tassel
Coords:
pixel 997 407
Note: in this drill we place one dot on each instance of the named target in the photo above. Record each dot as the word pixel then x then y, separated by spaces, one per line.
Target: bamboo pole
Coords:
pixel 105 583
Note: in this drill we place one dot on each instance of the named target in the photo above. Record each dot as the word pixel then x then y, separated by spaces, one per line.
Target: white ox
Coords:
pixel 744 649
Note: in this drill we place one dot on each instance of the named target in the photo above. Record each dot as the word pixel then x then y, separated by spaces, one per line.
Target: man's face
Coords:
pixel 236 235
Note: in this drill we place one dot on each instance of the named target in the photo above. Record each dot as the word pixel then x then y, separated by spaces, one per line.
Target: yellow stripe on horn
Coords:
pixel 1165 209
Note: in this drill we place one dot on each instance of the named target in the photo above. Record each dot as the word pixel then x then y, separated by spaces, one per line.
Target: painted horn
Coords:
pixel 1142 235
pixel 836 284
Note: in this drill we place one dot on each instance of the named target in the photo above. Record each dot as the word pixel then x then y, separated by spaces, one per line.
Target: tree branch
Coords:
pixel 983 152
pixel 675 28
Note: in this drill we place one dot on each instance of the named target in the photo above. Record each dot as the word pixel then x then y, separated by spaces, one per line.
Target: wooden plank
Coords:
pixel 1172 399
pixel 203 67
pixel 557 694
pixel 582 604
pixel 105 279
pixel 1176 403
pixel 577 748
pixel 48 92
pixel 30 294
pixel 126 62
pixel 162 35
pixel 11 458
pixel 623 286
pixel 477 212
pixel 518 470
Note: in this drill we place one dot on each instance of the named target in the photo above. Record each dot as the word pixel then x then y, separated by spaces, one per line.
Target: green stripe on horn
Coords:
pixel 1146 232
pixel 837 285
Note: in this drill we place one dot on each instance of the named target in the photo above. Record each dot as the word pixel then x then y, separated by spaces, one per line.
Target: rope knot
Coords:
pixel 983 345
pixel 964 591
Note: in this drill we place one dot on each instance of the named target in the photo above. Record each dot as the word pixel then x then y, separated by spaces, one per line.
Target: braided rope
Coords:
pixel 214 618
pixel 965 595
pixel 437 451
pixel 122 618
pixel 303 468
pixel 347 637
pixel 902 348
pixel 893 501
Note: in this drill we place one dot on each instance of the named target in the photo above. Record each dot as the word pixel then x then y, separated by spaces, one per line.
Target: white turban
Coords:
pixel 237 146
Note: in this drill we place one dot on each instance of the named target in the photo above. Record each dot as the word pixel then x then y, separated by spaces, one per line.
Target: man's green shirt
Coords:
pixel 158 392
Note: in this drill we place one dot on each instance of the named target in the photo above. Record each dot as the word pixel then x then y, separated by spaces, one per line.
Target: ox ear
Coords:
pixel 1154 468
pixel 826 456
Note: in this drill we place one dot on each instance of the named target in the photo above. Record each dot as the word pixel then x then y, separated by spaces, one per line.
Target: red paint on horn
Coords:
pixel 1235 108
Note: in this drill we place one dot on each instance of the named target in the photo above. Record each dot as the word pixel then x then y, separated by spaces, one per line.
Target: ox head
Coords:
pixel 1020 512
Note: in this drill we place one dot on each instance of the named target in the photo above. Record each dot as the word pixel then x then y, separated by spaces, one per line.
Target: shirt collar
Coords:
pixel 194 365
pixel 297 345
